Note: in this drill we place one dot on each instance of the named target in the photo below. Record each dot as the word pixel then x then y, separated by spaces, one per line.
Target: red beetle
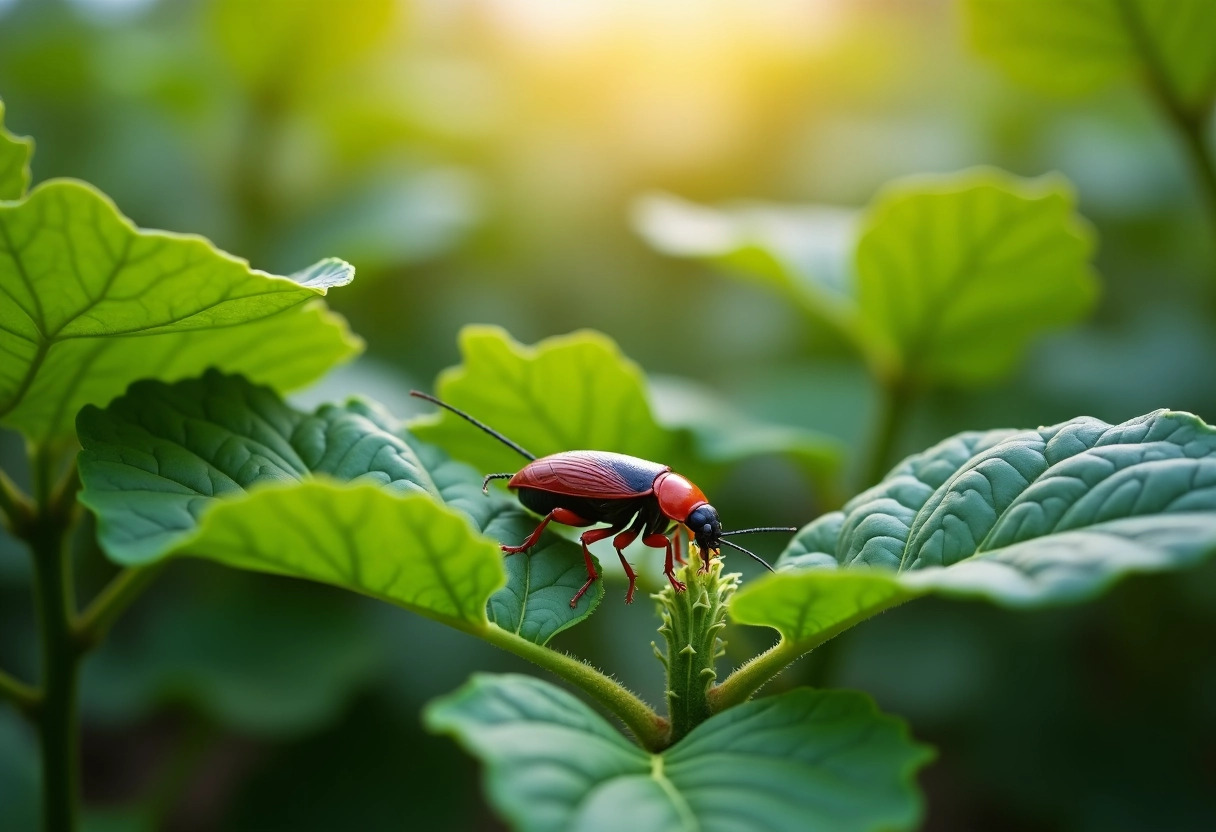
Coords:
pixel 633 496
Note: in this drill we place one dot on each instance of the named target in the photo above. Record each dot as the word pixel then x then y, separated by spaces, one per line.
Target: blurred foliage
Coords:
pixel 478 160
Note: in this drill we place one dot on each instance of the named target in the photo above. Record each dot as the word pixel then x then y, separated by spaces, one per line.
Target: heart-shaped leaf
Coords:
pixel 1077 45
pixel 92 303
pixel 15 155
pixel 802 760
pixel 951 279
pixel 1020 518
pixel 220 468
pixel 578 392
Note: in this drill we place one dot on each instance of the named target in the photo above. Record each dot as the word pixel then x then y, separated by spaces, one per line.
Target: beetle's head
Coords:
pixel 705 526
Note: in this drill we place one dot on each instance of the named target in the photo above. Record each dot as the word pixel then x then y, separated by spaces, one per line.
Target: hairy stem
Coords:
pixel 57 718
pixel 1190 124
pixel 692 622
pixel 93 624
pixel 650 729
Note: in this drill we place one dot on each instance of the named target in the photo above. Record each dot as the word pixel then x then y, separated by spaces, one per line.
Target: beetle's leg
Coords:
pixel 660 541
pixel 587 538
pixel 561 515
pixel 678 539
pixel 619 543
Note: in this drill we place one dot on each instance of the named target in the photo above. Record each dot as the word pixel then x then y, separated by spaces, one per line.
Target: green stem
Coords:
pixel 692 622
pixel 894 397
pixel 93 624
pixel 15 505
pixel 760 670
pixel 650 729
pixel 57 722
pixel 1190 124
pixel 24 697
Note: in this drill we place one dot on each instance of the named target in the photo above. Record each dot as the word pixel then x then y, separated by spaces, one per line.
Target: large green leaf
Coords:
pixel 1072 46
pixel 92 303
pixel 1020 518
pixel 956 275
pixel 220 468
pixel 15 155
pixel 802 760
pixel 953 275
pixel 578 392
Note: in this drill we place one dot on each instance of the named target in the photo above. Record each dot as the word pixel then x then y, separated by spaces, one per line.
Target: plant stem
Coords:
pixel 14 504
pixel 692 622
pixel 650 729
pixel 1190 124
pixel 92 625
pixel 894 396
pixel 57 718
pixel 24 697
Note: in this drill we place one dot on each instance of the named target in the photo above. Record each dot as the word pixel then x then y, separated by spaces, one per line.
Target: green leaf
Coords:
pixel 91 304
pixel 1020 518
pixel 535 602
pixel 15 155
pixel 1072 46
pixel 802 760
pixel 956 275
pixel 953 276
pixel 578 392
pixel 219 468
pixel 266 663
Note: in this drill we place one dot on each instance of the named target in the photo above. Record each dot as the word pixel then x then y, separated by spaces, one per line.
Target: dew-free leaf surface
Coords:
pixel 220 468
pixel 940 279
pixel 91 304
pixel 802 760
pixel 1019 518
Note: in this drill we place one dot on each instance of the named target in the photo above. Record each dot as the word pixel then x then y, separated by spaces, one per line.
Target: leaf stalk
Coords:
pixel 650 729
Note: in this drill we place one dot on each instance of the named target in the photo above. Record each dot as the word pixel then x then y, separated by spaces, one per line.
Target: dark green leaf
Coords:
pixel 220 468
pixel 1020 518
pixel 802 760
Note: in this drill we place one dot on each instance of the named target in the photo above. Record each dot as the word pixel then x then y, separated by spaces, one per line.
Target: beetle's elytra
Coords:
pixel 634 497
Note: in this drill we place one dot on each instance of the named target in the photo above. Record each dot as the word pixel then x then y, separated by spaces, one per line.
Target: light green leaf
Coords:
pixel 952 277
pixel 956 275
pixel 15 155
pixel 802 760
pixel 578 392
pixel 91 304
pixel 1020 518
pixel 1072 46
pixel 219 468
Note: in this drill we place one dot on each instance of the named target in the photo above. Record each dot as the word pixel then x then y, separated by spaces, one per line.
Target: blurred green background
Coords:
pixel 481 161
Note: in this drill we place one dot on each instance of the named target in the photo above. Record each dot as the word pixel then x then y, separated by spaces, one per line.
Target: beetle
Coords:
pixel 634 496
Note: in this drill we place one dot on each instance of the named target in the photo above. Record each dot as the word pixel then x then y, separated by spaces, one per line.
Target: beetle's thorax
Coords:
pixel 677 496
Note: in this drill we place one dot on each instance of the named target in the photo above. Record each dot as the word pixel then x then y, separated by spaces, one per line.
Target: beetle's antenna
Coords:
pixel 761 529
pixel 504 440
pixel 753 554
pixel 485 484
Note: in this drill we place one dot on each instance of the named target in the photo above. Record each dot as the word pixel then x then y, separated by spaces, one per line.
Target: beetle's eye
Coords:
pixel 706 529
